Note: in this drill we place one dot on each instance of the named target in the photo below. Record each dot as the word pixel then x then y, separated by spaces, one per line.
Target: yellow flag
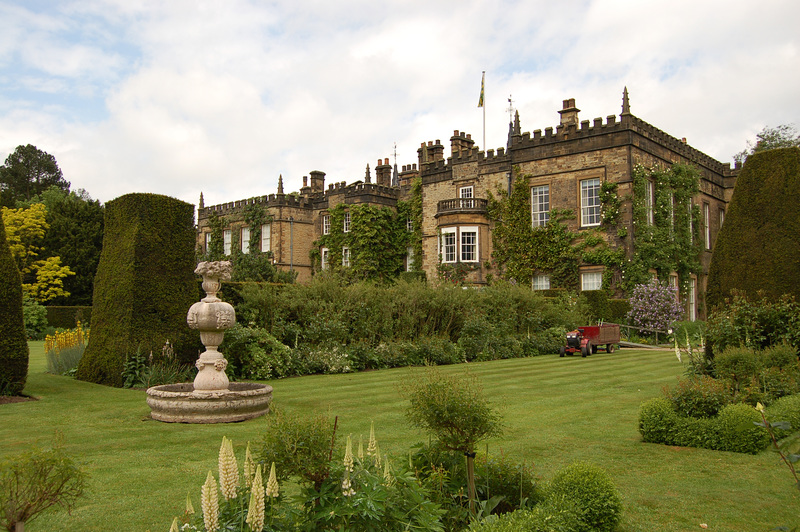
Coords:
pixel 480 100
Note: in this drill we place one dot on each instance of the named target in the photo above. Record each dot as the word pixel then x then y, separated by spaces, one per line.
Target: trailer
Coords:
pixel 587 340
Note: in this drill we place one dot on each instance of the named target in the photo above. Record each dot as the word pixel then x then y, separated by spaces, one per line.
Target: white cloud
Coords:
pixel 183 96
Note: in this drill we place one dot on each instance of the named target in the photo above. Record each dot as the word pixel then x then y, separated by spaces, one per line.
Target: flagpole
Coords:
pixel 482 103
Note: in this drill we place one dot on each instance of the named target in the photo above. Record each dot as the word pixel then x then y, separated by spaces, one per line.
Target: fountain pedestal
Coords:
pixel 212 398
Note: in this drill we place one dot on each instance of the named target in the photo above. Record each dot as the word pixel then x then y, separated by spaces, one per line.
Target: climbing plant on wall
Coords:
pixel 411 209
pixel 666 225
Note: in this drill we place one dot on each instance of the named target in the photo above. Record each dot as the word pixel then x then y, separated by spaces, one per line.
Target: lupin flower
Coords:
pixel 360 449
pixel 388 479
pixel 249 466
pixel 373 444
pixel 189 507
pixel 677 350
pixel 347 486
pixel 348 454
pixel 228 470
pixel 209 501
pixel 272 484
pixel 174 527
pixel 377 456
pixel 255 512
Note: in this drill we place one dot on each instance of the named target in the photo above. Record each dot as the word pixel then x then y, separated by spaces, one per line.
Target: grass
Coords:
pixel 556 411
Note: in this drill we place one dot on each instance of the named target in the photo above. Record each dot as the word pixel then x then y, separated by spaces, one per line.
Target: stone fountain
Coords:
pixel 212 398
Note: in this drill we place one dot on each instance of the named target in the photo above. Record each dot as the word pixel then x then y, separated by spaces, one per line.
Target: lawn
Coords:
pixel 556 410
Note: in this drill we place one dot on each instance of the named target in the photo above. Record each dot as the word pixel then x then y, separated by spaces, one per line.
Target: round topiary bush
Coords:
pixel 591 489
pixel 13 344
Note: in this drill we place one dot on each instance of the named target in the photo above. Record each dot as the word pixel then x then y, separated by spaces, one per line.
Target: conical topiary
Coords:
pixel 13 344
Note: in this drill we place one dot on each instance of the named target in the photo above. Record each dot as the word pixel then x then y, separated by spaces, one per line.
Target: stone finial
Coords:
pixel 280 184
pixel 626 105
pixel 367 176
pixel 517 130
pixel 202 204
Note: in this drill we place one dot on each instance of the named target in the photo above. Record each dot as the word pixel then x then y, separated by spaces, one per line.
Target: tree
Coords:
pixel 42 279
pixel 757 248
pixel 27 172
pixel 783 136
pixel 13 344
pixel 454 411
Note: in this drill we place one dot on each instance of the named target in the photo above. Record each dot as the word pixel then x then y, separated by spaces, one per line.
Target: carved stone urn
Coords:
pixel 211 316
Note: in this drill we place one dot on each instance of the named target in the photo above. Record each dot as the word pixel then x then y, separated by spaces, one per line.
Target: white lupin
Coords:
pixel 255 512
pixel 209 501
pixel 228 470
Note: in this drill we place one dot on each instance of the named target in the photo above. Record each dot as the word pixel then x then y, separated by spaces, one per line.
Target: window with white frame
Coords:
pixel 673 283
pixel 591 281
pixel 409 258
pixel 448 244
pixel 707 224
pixel 467 201
pixel 721 217
pixel 346 223
pixel 245 241
pixel 326 224
pixel 469 244
pixel 266 238
pixel 323 258
pixel 691 223
pixel 648 201
pixel 540 205
pixel 226 241
pixel 208 241
pixel 409 225
pixel 346 257
pixel 692 299
pixel 590 202
pixel 541 282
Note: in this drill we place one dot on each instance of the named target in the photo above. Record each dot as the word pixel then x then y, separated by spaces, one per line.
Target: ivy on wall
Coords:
pixel 377 241
pixel 666 227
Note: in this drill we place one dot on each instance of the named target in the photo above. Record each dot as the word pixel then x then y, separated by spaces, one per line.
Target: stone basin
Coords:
pixel 179 403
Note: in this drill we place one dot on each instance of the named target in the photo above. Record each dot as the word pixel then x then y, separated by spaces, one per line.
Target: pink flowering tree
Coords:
pixel 654 305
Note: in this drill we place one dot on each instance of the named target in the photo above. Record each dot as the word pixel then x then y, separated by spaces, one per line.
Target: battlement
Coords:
pixel 269 200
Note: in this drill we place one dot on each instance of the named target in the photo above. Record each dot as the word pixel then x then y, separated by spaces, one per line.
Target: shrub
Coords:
pixel 700 396
pixel 755 322
pixel 739 365
pixel 785 409
pixel 14 345
pixel 546 342
pixel 143 372
pixel 547 516
pixel 36 324
pixel 253 353
pixel 737 432
pixel 760 231
pixel 34 481
pixel 593 493
pixel 782 356
pixel 144 285
pixel 654 306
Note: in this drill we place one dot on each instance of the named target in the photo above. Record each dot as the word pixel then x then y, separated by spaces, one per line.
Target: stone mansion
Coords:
pixel 565 167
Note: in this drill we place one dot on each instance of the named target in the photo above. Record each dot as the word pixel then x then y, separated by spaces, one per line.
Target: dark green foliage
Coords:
pixel 757 249
pixel 14 345
pixel 618 310
pixel 144 286
pixel 28 172
pixel 700 396
pixel 731 430
pixel 785 409
pixel 593 493
pixel 769 138
pixel 598 304
pixel 548 516
pixel 68 317
pixel 34 481
pixel 754 322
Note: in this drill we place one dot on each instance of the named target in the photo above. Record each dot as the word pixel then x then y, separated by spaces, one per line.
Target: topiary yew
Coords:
pixel 13 344
pixel 758 248
pixel 144 286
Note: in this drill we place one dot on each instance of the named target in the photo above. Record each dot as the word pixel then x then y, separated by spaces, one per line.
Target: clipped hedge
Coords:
pixel 144 286
pixel 757 247
pixel 731 430
pixel 68 317
pixel 13 343
pixel 591 489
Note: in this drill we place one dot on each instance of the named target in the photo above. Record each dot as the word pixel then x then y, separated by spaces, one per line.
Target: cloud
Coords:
pixel 183 96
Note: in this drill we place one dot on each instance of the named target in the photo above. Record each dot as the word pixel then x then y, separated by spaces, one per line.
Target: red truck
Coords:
pixel 587 340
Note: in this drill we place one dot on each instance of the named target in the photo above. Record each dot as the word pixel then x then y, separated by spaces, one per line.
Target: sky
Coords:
pixel 221 97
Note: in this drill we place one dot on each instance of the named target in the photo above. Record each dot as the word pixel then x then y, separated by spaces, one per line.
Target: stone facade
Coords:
pixel 454 189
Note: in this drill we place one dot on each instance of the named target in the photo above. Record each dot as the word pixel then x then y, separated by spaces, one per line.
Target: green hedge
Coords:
pixel 757 247
pixel 68 317
pixel 731 430
pixel 144 286
pixel 13 343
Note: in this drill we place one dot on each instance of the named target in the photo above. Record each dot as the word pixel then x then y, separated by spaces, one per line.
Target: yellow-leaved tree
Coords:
pixel 42 279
